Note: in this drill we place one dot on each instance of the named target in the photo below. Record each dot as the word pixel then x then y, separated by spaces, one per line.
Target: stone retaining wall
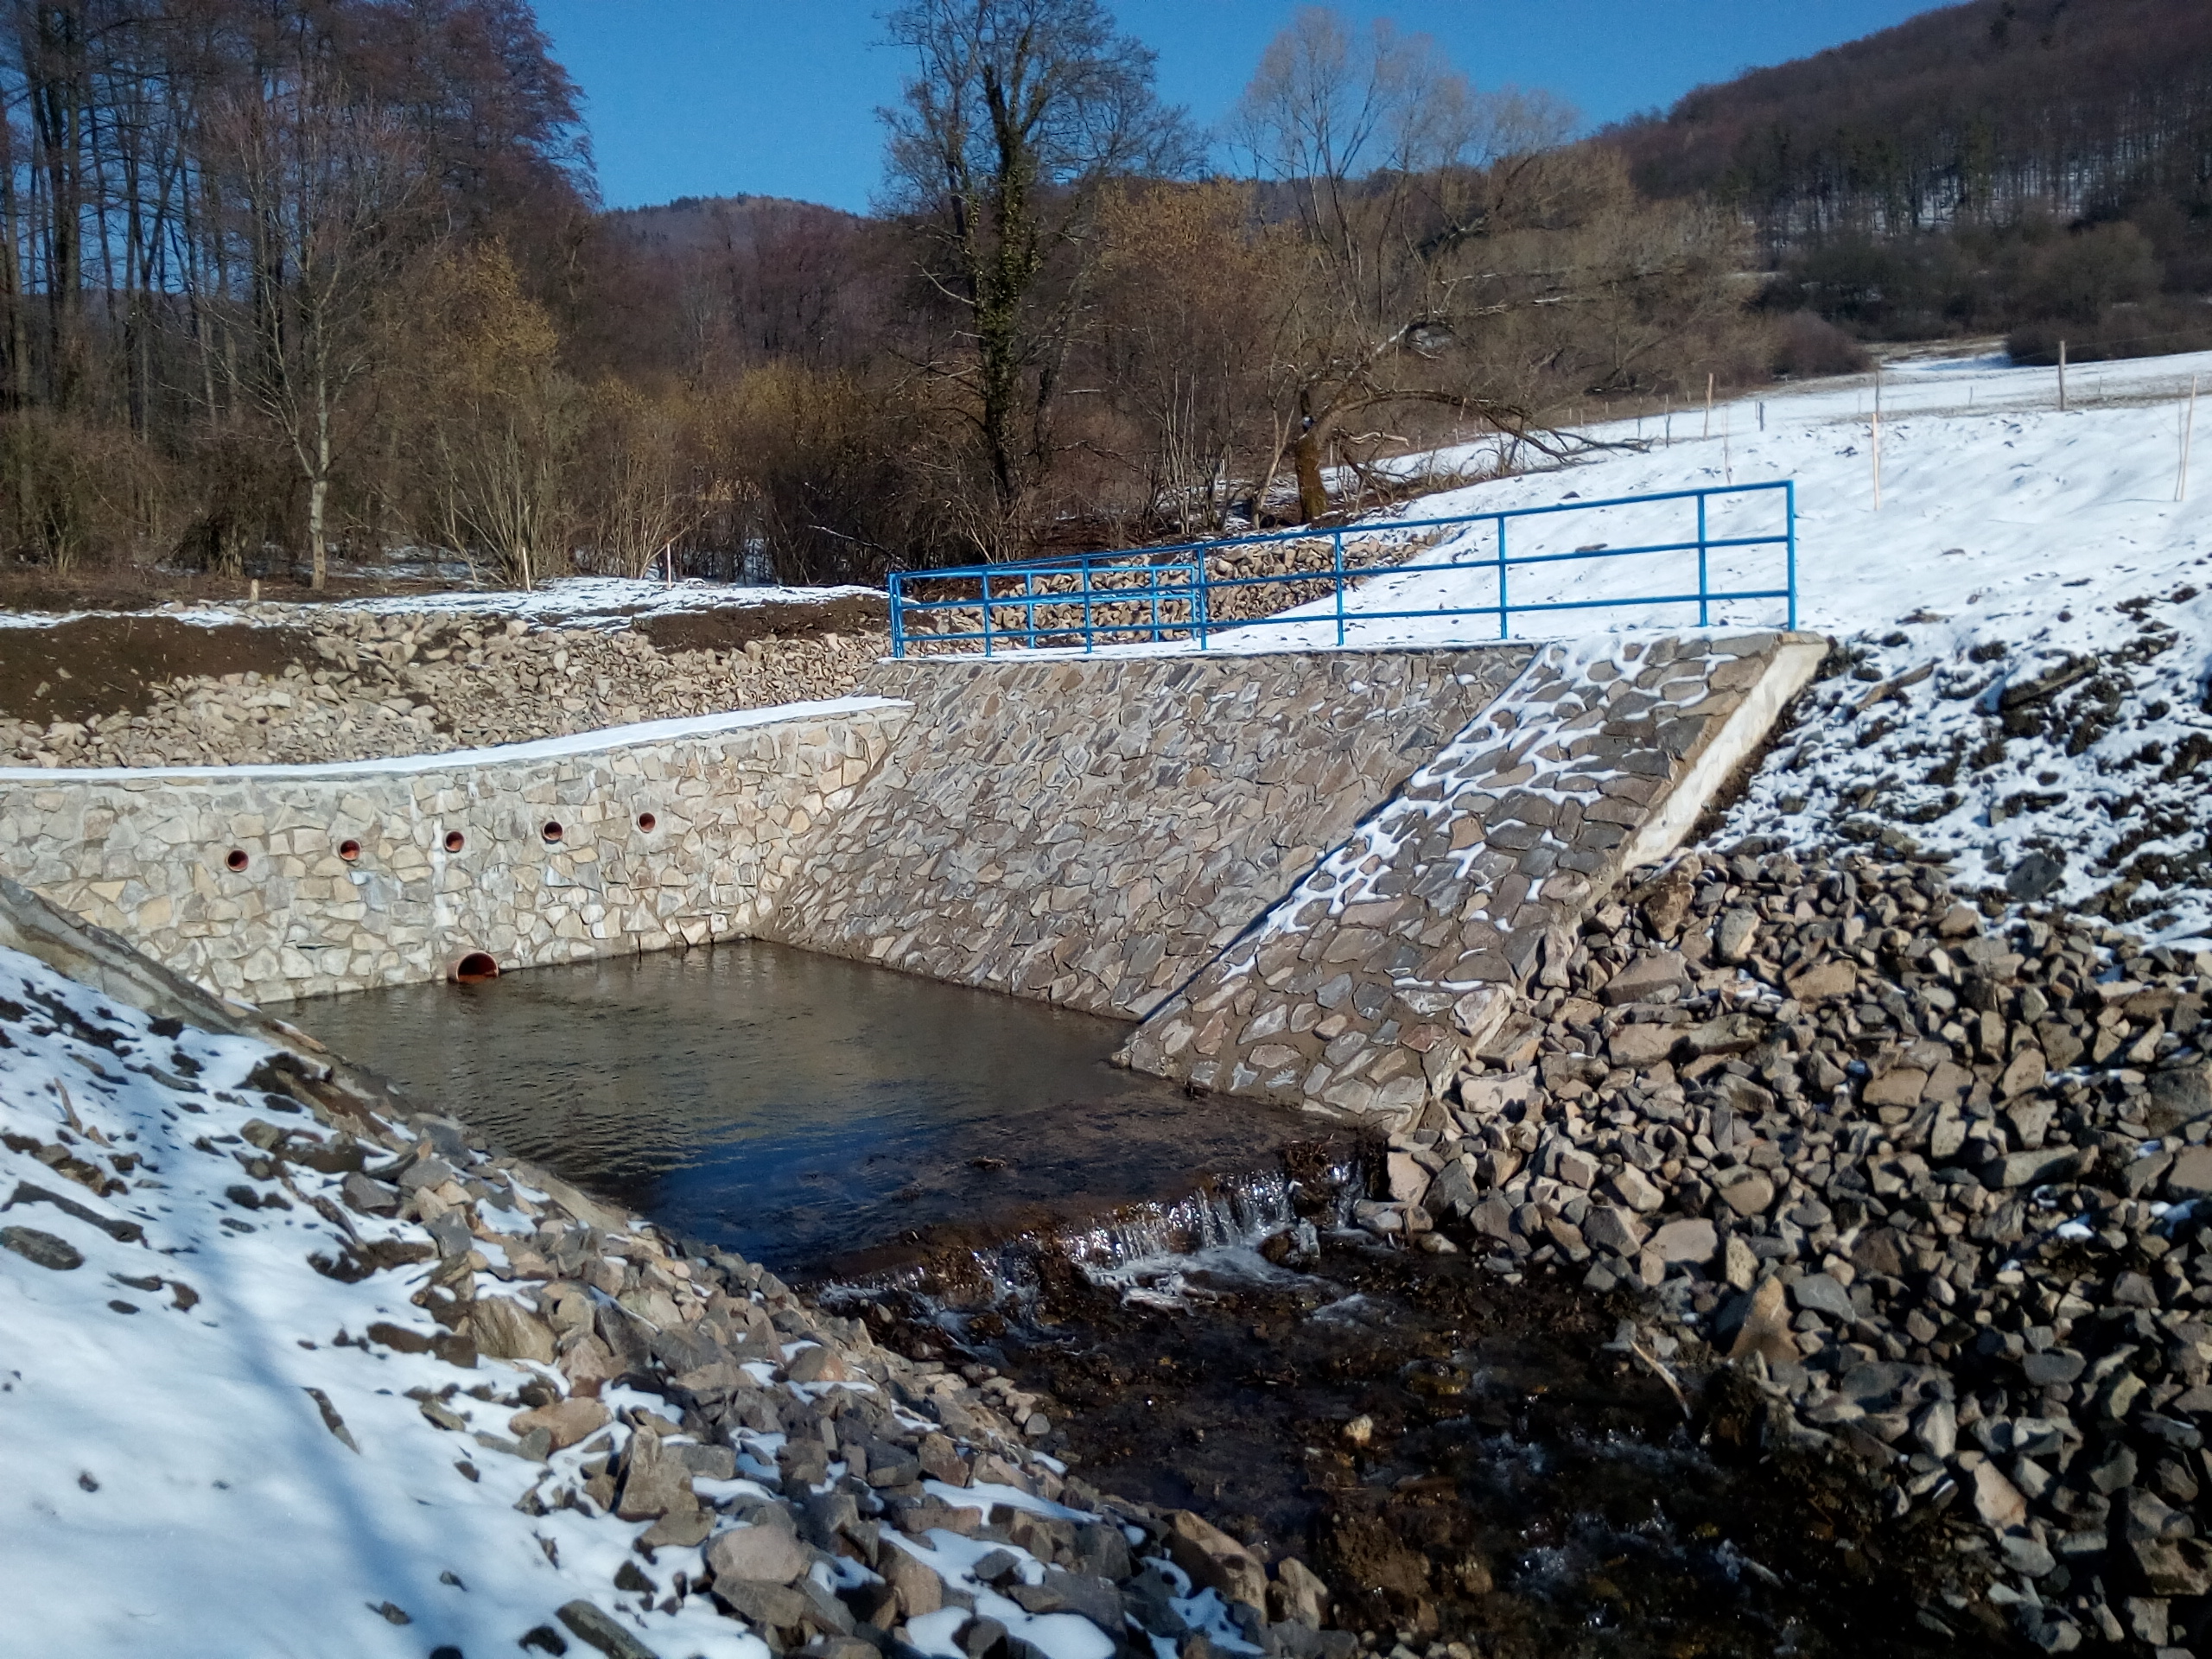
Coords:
pixel 1091 832
pixel 1387 967
pixel 152 853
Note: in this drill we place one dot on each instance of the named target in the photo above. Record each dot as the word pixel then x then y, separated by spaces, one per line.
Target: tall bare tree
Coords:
pixel 320 185
pixel 1395 167
pixel 1017 116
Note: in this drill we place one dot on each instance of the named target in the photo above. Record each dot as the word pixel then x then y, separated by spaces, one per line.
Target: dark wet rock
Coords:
pixel 598 1629
pixel 2036 877
pixel 43 1249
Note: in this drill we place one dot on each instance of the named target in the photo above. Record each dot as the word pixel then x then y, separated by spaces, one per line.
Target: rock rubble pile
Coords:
pixel 373 683
pixel 1937 1192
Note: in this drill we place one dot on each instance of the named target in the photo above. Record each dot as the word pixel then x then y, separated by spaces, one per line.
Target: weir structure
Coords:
pixel 1317 877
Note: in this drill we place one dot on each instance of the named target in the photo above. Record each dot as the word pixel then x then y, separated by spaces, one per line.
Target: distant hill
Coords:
pixel 1973 114
pixel 718 223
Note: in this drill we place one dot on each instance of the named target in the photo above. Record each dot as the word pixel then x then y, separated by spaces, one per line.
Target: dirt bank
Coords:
pixel 306 684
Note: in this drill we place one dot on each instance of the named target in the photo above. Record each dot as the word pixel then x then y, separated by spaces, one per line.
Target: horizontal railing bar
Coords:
pixel 1491 563
pixel 1064 561
pixel 1163 578
pixel 1291 620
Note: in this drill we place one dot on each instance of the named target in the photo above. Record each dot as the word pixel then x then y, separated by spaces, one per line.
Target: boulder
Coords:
pixel 1631 1187
pixel 1639 1046
pixel 1746 1191
pixel 654 1482
pixel 1215 1561
pixel 2190 1174
pixel 1825 980
pixel 1821 1293
pixel 1298 1594
pixel 1996 1500
pixel 567 1421
pixel 767 1552
pixel 505 1329
pixel 1765 1330
pixel 2179 1094
pixel 917 1586
pixel 1609 1227
pixel 596 1628
pixel 1648 979
pixel 1692 1241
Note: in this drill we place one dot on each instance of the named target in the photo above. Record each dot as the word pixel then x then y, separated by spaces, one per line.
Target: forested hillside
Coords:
pixel 1984 166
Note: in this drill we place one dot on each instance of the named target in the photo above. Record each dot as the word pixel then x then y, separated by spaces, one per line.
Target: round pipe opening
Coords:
pixel 238 860
pixel 551 831
pixel 474 969
pixel 645 822
pixel 456 841
pixel 350 851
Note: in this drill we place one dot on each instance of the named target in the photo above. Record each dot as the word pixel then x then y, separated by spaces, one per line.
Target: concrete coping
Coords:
pixel 545 748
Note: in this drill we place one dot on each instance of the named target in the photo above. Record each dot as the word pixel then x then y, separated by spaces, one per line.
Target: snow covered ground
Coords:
pixel 2024 620
pixel 194 1467
pixel 575 601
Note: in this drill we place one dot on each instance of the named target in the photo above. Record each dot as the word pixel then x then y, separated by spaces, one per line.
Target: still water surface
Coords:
pixel 809 1112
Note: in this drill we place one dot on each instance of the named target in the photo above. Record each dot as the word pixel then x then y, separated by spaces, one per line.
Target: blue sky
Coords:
pixel 720 97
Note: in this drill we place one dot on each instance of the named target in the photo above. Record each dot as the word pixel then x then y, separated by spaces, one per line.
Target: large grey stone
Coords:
pixel 767 1551
pixel 1820 1293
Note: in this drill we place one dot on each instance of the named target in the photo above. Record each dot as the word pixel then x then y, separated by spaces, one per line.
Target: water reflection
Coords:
pixel 796 1108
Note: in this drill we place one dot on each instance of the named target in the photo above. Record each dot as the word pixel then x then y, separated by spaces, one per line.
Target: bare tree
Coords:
pixel 1397 168
pixel 320 185
pixel 1017 116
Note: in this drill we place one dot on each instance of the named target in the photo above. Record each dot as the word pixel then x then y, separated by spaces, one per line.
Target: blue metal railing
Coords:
pixel 1154 593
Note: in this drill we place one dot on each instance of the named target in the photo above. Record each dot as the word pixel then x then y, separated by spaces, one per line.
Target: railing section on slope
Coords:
pixel 1192 591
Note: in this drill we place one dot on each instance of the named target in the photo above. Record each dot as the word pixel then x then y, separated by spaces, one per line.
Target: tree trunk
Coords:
pixel 1306 458
pixel 318 557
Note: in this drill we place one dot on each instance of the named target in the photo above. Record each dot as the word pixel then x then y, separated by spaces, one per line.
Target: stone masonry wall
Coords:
pixel 150 853
pixel 1092 832
pixel 1394 963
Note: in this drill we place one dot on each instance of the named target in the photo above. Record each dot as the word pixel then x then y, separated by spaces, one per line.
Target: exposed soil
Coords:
pixel 108 664
pixel 1468 1460
pixel 734 627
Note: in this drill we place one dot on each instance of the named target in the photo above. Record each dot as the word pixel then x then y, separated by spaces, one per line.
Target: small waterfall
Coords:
pixel 1143 1251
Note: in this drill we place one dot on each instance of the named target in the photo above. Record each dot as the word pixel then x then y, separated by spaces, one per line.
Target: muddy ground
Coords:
pixel 1464 1460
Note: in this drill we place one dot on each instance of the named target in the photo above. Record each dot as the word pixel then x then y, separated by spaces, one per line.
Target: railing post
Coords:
pixel 1704 609
pixel 1502 611
pixel 984 577
pixel 897 617
pixel 1203 585
pixel 1336 543
pixel 1090 639
pixel 1789 507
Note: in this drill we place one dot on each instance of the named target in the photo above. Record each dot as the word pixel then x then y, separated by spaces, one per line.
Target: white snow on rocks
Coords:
pixel 194 1467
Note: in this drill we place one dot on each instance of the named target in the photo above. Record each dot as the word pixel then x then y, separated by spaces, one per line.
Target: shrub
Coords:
pixel 1807 344
pixel 2152 329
